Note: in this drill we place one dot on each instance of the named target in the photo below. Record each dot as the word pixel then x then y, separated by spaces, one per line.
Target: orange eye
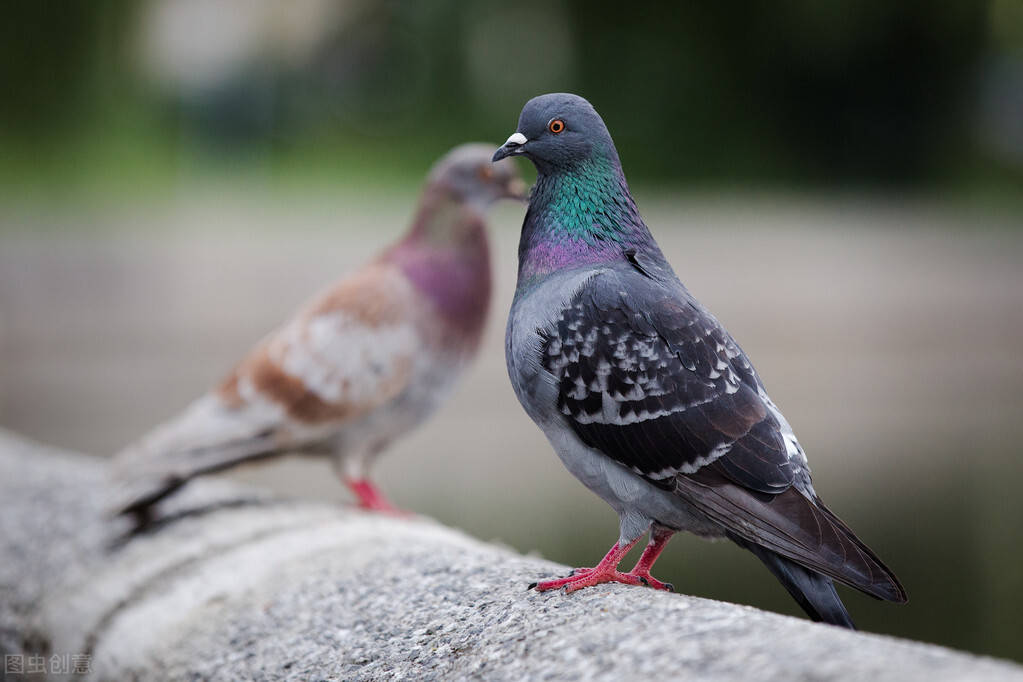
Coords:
pixel 556 125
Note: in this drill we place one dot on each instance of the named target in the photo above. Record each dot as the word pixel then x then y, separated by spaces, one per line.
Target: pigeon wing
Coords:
pixel 346 353
pixel 652 380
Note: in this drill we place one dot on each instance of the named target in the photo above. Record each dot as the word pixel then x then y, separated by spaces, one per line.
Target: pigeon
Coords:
pixel 643 394
pixel 359 365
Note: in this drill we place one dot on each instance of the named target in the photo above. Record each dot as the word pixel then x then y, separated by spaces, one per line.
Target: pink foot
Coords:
pixel 650 581
pixel 588 577
pixel 371 499
pixel 607 570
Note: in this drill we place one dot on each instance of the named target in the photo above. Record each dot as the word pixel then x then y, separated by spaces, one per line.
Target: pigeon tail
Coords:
pixel 137 494
pixel 815 593
pixel 794 526
pixel 207 437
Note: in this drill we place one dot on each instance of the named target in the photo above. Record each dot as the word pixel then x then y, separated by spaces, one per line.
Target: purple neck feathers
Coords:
pixel 446 256
pixel 584 216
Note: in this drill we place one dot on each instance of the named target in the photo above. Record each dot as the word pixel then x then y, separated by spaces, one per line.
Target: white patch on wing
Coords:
pixel 634 393
pixel 337 356
pixel 714 454
pixel 588 342
pixel 609 412
pixel 578 391
pixel 667 472
pixel 792 446
pixel 688 468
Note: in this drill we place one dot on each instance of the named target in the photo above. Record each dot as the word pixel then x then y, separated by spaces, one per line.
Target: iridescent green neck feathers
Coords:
pixel 577 216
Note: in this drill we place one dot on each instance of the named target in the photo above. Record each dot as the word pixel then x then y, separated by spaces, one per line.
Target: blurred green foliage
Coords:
pixel 840 93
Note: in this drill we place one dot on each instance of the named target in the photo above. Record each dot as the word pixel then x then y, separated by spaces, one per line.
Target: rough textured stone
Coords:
pixel 236 585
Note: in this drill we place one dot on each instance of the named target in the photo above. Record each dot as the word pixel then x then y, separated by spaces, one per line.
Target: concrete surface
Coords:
pixel 889 333
pixel 235 584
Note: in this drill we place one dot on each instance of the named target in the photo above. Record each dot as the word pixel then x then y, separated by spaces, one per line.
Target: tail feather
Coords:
pixel 207 437
pixel 139 491
pixel 796 526
pixel 815 593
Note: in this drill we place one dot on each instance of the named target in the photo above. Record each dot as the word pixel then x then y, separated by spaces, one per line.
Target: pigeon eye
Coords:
pixel 556 125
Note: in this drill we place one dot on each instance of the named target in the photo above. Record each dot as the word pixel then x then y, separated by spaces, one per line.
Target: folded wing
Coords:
pixel 349 351
pixel 652 380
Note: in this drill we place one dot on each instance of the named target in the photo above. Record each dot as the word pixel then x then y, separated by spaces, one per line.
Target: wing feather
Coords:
pixel 347 352
pixel 654 382
pixel 795 526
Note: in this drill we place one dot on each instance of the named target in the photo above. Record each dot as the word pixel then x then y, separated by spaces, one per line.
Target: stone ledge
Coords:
pixel 238 585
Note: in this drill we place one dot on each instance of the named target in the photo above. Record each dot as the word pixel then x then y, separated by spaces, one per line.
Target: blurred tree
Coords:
pixel 799 91
pixel 56 59
pixel 840 90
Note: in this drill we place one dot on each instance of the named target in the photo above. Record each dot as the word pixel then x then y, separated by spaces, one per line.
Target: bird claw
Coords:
pixel 649 581
pixel 369 498
pixel 589 577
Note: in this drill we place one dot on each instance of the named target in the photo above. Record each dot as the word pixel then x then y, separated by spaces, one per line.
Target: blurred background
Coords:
pixel 841 182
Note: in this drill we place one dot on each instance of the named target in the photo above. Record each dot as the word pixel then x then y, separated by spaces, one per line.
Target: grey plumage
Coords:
pixel 644 395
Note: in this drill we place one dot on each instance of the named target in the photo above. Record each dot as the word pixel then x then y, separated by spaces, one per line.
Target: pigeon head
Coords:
pixel 467 174
pixel 460 188
pixel 558 132
pixel 580 210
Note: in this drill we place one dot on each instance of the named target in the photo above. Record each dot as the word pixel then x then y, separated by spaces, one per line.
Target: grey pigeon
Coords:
pixel 361 364
pixel 643 394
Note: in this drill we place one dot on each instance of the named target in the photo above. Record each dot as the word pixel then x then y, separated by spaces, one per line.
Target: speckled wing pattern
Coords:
pixel 651 379
pixel 347 352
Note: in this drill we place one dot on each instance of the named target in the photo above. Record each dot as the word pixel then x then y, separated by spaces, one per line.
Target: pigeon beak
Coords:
pixel 513 147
